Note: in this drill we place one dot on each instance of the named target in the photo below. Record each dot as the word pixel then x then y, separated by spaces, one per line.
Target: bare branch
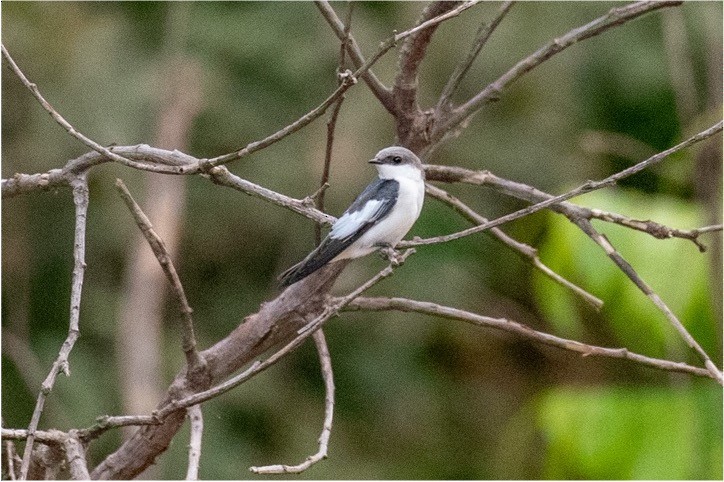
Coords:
pixel 528 193
pixel 402 304
pixel 27 183
pixel 10 455
pixel 657 230
pixel 481 38
pixel 275 323
pixel 80 199
pixel 331 125
pixel 105 423
pixel 383 94
pixel 303 333
pixel 64 123
pixel 524 250
pixel 326 364
pixel 188 343
pixel 197 431
pixel 615 17
pixel 628 270
pixel 582 221
pixel 412 52
pixel 75 456
pixel 587 187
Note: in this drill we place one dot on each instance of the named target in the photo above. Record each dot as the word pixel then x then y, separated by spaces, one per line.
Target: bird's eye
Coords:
pixel 397 159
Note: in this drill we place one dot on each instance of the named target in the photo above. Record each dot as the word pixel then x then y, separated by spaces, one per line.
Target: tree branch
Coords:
pixel 522 249
pixel 80 199
pixel 382 93
pixel 481 38
pixel 197 431
pixel 61 120
pixel 188 339
pixel 75 456
pixel 412 52
pixel 406 305
pixel 587 187
pixel 615 17
pixel 325 362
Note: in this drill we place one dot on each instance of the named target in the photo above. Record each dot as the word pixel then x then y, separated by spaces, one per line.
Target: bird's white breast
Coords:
pixel 397 223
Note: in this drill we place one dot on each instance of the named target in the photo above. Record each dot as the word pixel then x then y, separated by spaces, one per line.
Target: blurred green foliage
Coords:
pixel 417 397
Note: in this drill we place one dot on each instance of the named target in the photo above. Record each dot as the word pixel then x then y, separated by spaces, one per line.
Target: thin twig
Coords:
pixel 383 94
pixel 197 432
pixel 75 456
pixel 332 124
pixel 303 334
pixel 65 124
pixel 628 270
pixel 481 38
pixel 615 17
pixel 325 362
pixel 348 80
pixel 188 338
pixel 587 187
pixel 80 199
pixel 452 174
pixel 657 230
pixel 106 422
pixel 407 305
pixel 526 251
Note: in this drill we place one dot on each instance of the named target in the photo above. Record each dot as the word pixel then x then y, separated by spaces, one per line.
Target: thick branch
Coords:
pixel 412 53
pixel 276 322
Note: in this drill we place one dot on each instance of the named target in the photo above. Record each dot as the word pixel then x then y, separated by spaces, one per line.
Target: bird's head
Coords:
pixel 397 162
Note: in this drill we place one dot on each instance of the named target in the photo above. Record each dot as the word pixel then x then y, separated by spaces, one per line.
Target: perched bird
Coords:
pixel 379 217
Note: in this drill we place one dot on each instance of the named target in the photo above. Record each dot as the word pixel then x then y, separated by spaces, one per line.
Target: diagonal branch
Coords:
pixel 383 94
pixel 615 17
pixel 587 187
pixel 80 199
pixel 303 334
pixel 628 270
pixel 407 305
pixel 61 120
pixel 524 250
pixel 481 38
pixel 188 338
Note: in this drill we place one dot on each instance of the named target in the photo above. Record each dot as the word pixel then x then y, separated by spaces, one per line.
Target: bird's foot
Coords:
pixel 391 254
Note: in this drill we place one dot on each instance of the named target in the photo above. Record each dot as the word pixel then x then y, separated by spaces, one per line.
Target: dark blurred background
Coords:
pixel 417 397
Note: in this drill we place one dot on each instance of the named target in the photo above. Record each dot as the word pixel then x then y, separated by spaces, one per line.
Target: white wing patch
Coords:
pixel 350 223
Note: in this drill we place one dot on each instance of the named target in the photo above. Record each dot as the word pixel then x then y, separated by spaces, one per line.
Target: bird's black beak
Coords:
pixel 375 161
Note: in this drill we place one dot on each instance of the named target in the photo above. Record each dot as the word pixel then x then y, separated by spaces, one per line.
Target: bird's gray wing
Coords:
pixel 375 202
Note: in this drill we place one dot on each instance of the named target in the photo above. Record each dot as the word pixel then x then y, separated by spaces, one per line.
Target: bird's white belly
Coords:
pixel 395 225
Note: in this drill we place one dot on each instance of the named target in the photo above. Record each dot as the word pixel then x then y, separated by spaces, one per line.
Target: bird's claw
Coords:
pixel 391 254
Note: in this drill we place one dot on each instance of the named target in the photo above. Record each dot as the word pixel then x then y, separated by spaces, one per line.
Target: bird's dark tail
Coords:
pixel 315 260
